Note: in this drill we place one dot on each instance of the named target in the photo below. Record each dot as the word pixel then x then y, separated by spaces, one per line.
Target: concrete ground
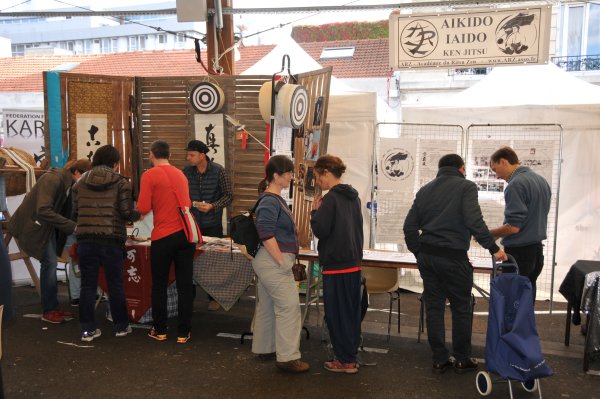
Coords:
pixel 50 361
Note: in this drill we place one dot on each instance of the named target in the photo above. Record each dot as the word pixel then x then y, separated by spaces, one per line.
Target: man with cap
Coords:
pixel 210 192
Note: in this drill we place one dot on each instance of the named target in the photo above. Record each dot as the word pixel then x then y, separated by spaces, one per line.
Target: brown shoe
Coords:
pixel 293 366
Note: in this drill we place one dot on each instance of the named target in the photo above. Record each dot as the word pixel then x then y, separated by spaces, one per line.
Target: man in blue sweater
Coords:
pixel 210 192
pixel 527 197
pixel 438 230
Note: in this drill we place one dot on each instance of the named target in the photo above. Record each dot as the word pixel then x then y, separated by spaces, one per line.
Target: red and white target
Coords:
pixel 207 98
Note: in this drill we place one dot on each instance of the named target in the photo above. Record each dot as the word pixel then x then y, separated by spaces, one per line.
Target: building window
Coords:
pixel 133 44
pixel 114 45
pixel 18 50
pixel 580 30
pixel 337 52
pixel 142 43
pixel 162 39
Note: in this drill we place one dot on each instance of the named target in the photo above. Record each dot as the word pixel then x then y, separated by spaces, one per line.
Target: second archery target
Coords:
pixel 207 98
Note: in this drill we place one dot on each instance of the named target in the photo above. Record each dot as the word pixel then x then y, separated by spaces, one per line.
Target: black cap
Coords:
pixel 197 145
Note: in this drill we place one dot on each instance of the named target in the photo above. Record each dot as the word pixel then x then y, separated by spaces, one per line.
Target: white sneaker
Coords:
pixel 88 336
pixel 124 332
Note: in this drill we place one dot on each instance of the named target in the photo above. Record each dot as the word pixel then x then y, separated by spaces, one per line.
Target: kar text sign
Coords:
pixel 470 39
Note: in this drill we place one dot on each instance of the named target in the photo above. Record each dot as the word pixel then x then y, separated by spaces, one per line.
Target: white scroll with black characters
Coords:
pixel 91 134
pixel 209 128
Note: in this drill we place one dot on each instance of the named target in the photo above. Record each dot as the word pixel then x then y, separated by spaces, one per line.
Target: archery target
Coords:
pixel 292 105
pixel 207 98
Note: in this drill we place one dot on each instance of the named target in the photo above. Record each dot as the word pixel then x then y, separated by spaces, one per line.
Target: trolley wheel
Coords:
pixel 530 385
pixel 484 383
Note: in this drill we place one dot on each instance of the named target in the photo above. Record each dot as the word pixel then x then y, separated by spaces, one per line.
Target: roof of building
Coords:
pixel 24 74
pixel 164 63
pixel 370 58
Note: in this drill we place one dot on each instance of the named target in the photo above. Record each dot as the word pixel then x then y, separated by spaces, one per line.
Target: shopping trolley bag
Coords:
pixel 513 348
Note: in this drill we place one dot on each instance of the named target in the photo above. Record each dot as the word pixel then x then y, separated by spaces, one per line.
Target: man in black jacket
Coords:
pixel 446 212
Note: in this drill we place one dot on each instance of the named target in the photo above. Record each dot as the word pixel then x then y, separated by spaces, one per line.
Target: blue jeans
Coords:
pixel 48 283
pixel 91 256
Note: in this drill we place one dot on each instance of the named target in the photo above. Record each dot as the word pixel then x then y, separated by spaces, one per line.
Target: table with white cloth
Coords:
pixel 222 272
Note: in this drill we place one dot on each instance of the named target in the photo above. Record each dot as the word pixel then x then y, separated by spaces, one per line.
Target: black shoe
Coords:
pixel 440 368
pixel 75 302
pixel 267 357
pixel 464 366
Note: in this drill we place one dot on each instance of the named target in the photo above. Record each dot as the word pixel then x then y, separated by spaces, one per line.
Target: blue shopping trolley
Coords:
pixel 512 348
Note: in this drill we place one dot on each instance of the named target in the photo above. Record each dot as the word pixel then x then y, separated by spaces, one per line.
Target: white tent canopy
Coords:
pixel 525 85
pixel 542 94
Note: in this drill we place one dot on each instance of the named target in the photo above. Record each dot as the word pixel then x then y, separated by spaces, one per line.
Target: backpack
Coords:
pixel 243 232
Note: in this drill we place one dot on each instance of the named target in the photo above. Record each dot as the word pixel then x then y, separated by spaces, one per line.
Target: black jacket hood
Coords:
pixel 346 190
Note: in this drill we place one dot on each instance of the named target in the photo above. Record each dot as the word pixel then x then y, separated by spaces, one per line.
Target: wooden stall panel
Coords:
pixel 103 97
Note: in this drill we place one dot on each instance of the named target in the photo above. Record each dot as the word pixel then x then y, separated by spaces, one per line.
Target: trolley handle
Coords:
pixel 509 266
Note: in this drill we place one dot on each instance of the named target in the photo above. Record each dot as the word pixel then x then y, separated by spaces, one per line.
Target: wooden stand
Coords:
pixel 6 171
pixel 20 255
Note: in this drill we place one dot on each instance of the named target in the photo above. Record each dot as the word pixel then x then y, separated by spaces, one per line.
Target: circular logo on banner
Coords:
pixel 419 38
pixel 206 98
pixel 397 164
pixel 516 33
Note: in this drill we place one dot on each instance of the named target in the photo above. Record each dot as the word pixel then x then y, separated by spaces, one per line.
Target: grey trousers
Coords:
pixel 277 318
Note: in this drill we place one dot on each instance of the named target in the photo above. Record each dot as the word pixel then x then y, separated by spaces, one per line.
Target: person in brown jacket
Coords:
pixel 36 224
pixel 102 205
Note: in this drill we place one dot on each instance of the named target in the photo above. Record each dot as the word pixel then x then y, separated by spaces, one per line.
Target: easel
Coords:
pixel 6 171
pixel 19 255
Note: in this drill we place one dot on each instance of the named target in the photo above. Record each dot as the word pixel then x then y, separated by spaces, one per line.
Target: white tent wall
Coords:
pixel 352 118
pixel 579 195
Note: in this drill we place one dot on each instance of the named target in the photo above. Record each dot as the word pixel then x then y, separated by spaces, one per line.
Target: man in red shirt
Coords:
pixel 161 186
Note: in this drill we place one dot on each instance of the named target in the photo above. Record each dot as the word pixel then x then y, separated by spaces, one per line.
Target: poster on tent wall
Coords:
pixel 538 155
pixel 397 165
pixel 24 129
pixel 91 134
pixel 430 152
pixel 209 128
pixel 476 38
pixel 490 188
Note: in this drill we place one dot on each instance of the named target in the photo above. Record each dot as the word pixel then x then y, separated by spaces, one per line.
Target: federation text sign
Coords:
pixel 470 39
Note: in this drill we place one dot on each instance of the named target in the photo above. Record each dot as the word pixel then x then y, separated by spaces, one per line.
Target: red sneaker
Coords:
pixel 68 316
pixel 338 367
pixel 53 317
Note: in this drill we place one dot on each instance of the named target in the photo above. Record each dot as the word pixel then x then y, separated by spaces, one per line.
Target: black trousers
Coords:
pixel 530 259
pixel 342 303
pixel 453 280
pixel 174 249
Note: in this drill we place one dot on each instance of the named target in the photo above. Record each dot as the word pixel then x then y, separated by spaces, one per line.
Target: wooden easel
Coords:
pixel 6 171
pixel 19 255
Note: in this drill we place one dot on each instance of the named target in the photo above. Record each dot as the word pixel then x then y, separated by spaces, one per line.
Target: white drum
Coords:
pixel 291 104
pixel 207 98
